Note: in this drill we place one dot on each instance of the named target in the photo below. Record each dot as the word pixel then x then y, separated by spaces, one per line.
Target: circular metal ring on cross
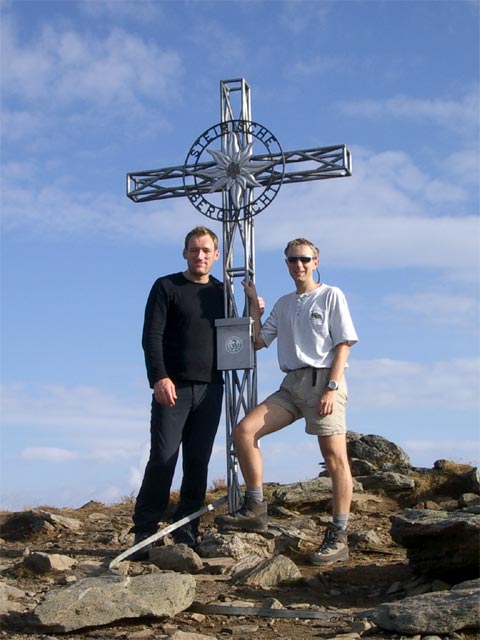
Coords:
pixel 220 181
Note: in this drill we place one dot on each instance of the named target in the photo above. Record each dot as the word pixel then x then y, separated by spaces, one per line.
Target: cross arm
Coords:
pixel 318 163
pixel 303 165
pixel 160 184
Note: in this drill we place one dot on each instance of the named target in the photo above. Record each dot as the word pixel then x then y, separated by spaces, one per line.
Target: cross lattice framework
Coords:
pixel 232 185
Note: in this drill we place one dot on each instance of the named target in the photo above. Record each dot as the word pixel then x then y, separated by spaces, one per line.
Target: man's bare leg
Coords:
pixel 334 452
pixel 334 547
pixel 265 418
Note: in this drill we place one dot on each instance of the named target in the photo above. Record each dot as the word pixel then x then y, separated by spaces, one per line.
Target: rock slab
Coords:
pixel 99 601
pixel 440 612
pixel 439 544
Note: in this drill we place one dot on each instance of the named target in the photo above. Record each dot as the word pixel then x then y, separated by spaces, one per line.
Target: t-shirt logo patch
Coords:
pixel 234 344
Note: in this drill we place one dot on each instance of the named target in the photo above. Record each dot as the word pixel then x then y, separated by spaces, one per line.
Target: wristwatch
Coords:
pixel 332 385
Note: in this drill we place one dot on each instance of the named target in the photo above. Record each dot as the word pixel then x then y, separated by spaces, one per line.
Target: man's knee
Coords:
pixel 240 433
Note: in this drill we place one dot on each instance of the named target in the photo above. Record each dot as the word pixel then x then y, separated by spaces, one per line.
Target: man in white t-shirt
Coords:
pixel 314 334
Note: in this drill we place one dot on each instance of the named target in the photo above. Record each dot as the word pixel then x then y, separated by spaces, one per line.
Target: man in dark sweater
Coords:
pixel 180 357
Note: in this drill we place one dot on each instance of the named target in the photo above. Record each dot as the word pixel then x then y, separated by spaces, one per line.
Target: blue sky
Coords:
pixel 93 90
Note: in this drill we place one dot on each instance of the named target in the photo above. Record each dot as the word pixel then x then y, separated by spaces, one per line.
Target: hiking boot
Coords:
pixel 142 554
pixel 186 535
pixel 252 516
pixel 334 547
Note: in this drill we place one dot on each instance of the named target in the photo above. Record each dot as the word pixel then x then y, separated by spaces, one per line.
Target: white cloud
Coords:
pixel 464 166
pixel 389 214
pixel 78 409
pixel 445 308
pixel 115 75
pixel 296 17
pixel 414 385
pixel 49 454
pixel 318 65
pixel 459 115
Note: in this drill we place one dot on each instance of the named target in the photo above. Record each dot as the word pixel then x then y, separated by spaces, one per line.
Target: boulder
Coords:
pixel 454 479
pixel 377 451
pixel 40 562
pixel 25 524
pixel 93 602
pixel 439 612
pixel 269 573
pixel 11 598
pixel 439 544
pixel 175 557
pixel 235 545
pixel 73 524
pixel 388 481
pixel 310 491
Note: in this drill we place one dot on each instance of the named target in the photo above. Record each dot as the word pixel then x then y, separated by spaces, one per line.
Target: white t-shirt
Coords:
pixel 309 326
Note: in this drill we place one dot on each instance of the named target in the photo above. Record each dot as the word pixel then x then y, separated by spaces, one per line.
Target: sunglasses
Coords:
pixel 303 259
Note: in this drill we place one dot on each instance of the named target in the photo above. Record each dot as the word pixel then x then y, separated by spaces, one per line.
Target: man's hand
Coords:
pixel 256 303
pixel 164 392
pixel 326 403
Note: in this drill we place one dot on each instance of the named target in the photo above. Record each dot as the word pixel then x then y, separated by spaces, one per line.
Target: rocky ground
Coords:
pixel 330 602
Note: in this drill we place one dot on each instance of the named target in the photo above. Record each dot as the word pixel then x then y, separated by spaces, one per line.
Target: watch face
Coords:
pixel 333 385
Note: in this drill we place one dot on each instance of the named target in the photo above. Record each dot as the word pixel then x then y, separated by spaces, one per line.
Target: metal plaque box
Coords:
pixel 235 343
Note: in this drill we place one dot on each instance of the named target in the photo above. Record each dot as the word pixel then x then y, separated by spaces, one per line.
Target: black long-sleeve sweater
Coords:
pixel 179 329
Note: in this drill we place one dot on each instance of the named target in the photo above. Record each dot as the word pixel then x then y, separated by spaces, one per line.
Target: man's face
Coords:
pixel 301 271
pixel 200 255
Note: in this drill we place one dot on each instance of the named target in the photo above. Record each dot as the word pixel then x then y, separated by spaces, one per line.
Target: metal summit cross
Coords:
pixel 231 184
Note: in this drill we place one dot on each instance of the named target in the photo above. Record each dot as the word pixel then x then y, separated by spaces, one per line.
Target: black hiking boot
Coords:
pixel 188 534
pixel 142 554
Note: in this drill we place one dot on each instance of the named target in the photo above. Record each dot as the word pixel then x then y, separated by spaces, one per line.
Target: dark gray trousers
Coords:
pixel 192 424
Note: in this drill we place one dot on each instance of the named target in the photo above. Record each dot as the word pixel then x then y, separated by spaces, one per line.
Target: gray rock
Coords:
pixel 89 568
pixel 474 479
pixel 10 598
pixel 365 540
pixel 100 601
pixel 292 535
pixel 439 544
pixel 40 562
pixel 377 450
pixel 469 500
pixel 272 603
pixel 361 467
pixel 189 635
pixel 176 557
pixel 315 490
pixel 24 525
pixel 235 545
pixel 270 573
pixel 439 612
pixel 387 480
pixel 67 523
pixel 457 478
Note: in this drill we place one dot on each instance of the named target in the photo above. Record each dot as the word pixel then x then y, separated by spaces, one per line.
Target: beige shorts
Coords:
pixel 299 396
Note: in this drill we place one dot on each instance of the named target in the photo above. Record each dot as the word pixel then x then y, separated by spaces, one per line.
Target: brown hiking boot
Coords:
pixel 252 516
pixel 334 547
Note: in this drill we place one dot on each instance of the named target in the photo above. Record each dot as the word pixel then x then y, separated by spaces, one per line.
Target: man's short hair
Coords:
pixel 299 241
pixel 201 231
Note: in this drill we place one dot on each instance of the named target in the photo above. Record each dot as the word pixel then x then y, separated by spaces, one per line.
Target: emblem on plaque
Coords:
pixel 234 344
